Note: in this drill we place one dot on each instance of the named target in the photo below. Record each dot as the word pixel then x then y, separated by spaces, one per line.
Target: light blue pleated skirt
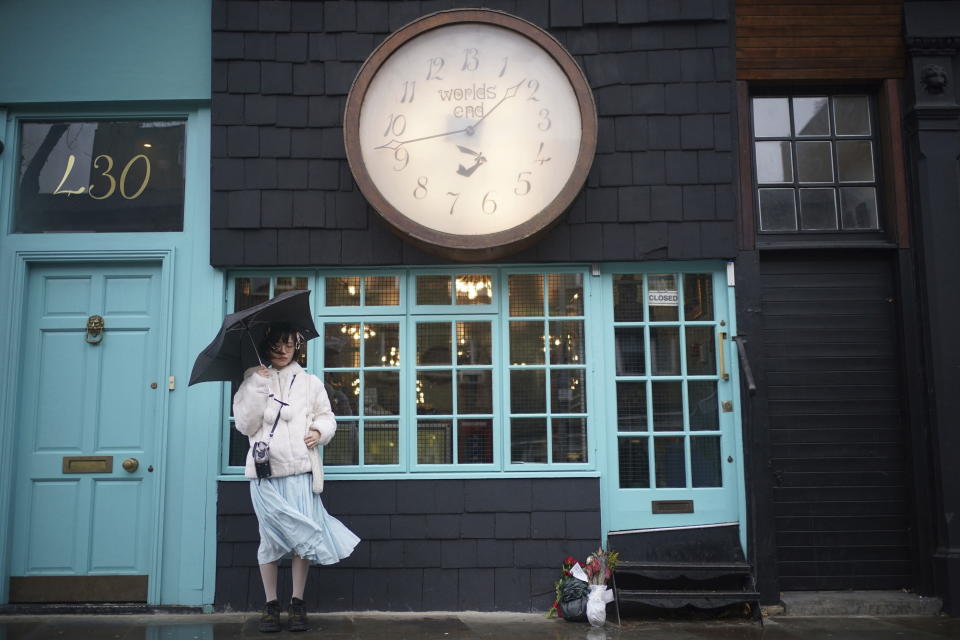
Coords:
pixel 293 521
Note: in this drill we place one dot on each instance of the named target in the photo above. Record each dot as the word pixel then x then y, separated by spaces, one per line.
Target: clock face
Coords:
pixel 470 130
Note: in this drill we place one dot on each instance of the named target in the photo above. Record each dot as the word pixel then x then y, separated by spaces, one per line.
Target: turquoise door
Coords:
pixel 671 440
pixel 85 508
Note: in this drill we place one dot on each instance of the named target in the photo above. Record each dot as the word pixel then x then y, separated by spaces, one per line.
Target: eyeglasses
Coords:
pixel 283 347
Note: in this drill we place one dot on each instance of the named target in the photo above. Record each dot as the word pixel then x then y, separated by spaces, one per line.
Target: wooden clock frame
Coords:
pixel 482 247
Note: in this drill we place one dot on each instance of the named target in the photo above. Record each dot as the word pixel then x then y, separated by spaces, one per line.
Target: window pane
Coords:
pixel 285 284
pixel 774 162
pixel 698 296
pixel 814 162
pixel 818 209
pixel 528 440
pixel 702 405
pixel 528 391
pixel 382 344
pixel 474 391
pixel 434 290
pixel 239 446
pixel 634 463
pixel 382 291
pixel 249 292
pixel 628 298
pixel 381 393
pixel 631 406
pixel 566 294
pixel 100 176
pixel 667 406
pixel 343 291
pixel 629 351
pixel 434 393
pixel 701 359
pixel 433 343
pixel 526 294
pixel 855 160
pixel 811 116
pixel 568 391
pixel 341 345
pixel 475 441
pixel 705 461
pixel 663 298
pixel 343 389
pixel 852 114
pixel 669 465
pixel 474 289
pixel 474 343
pixel 665 351
pixel 858 207
pixel 771 118
pixel 381 443
pixel 777 210
pixel 435 442
pixel 527 342
pixel 343 449
pixel 569 440
pixel 566 342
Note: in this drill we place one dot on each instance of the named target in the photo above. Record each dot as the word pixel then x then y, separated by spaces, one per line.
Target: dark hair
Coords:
pixel 282 332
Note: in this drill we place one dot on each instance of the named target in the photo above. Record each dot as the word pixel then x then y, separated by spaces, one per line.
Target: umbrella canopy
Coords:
pixel 234 348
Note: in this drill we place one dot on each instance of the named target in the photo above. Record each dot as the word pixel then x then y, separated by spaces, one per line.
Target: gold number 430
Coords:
pixel 71 160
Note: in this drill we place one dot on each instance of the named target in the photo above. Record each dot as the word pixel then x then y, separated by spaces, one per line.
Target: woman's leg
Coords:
pixel 301 569
pixel 268 573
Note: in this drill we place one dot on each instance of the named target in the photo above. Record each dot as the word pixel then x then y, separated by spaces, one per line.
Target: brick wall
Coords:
pixel 428 545
pixel 661 184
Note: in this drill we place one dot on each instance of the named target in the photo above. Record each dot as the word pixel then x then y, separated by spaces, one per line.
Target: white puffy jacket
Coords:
pixel 255 408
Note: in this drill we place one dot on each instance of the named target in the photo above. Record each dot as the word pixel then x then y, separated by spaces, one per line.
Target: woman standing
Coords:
pixel 285 413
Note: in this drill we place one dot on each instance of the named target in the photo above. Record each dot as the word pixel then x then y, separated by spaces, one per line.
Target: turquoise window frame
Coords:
pixel 408 314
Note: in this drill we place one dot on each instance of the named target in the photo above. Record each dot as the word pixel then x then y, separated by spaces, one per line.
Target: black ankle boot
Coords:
pixel 297 615
pixel 270 617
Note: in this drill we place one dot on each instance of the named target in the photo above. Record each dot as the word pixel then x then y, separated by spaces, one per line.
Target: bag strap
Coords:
pixel 282 404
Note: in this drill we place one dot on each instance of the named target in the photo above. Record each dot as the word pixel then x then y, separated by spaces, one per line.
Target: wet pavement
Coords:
pixel 469 626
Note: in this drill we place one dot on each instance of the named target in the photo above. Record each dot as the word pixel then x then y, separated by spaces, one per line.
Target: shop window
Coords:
pixel 666 376
pixel 816 166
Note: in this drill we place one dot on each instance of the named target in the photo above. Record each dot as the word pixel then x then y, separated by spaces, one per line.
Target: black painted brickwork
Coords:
pixel 661 185
pixel 428 545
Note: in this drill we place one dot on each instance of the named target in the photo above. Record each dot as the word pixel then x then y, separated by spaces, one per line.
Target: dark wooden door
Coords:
pixel 836 422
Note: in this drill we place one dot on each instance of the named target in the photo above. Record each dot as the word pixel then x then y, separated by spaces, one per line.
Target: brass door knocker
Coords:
pixel 94 330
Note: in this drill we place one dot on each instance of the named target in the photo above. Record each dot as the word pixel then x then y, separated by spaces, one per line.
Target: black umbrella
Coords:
pixel 234 348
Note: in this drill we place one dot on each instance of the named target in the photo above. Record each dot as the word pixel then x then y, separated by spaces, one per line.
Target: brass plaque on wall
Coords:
pixel 671 506
pixel 87 464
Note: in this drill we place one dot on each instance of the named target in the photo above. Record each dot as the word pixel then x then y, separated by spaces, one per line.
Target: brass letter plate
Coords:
pixel 671 506
pixel 88 464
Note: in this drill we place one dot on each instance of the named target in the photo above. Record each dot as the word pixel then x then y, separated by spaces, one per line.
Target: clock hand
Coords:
pixel 479 159
pixel 509 93
pixel 396 144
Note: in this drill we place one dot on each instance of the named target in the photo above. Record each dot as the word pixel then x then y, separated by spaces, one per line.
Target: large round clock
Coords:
pixel 470 132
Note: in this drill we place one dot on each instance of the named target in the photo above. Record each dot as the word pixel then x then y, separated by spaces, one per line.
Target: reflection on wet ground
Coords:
pixel 468 626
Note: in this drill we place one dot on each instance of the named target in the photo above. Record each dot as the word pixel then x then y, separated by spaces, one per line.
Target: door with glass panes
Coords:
pixel 672 452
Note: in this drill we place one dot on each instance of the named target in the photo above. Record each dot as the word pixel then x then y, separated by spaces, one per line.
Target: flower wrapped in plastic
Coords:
pixel 599 569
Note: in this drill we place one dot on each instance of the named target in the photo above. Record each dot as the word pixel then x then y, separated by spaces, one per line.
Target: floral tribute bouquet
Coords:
pixel 577 584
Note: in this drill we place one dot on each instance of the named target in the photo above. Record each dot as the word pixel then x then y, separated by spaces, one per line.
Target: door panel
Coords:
pixel 78 399
pixel 671 442
pixel 836 420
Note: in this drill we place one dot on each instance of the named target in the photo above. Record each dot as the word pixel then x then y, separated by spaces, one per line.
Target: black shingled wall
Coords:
pixel 428 545
pixel 661 184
